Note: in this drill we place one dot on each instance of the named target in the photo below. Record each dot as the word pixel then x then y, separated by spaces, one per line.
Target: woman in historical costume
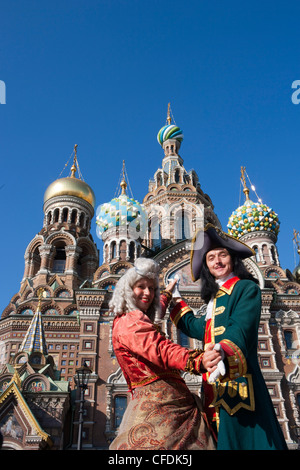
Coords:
pixel 162 413
pixel 236 397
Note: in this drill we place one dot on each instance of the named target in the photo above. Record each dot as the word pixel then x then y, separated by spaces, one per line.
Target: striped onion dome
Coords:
pixel 170 131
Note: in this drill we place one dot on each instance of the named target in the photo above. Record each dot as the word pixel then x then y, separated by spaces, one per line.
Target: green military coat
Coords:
pixel 245 414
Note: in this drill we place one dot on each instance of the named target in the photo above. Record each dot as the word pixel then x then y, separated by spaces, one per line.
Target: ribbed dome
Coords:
pixel 252 217
pixel 70 186
pixel 169 132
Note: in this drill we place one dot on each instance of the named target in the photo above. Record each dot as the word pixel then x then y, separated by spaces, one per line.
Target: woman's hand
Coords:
pixel 171 285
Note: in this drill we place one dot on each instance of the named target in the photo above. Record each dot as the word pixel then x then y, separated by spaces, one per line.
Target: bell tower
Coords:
pixel 175 202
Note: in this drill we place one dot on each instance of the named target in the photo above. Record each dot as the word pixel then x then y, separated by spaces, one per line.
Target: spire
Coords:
pixel 169 119
pixel 34 340
pixel 243 179
pixel 296 240
pixel 123 182
pixel 74 166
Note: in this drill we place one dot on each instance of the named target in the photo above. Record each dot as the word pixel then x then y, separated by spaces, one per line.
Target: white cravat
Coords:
pixel 210 304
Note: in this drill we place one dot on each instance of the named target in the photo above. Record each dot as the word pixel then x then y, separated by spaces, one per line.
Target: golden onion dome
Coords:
pixel 70 186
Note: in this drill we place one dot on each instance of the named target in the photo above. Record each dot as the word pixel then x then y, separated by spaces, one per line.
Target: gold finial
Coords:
pixel 41 293
pixel 169 114
pixel 296 240
pixel 123 182
pixel 243 179
pixel 74 167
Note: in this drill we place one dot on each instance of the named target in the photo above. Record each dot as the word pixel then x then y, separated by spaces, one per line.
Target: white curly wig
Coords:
pixel 123 300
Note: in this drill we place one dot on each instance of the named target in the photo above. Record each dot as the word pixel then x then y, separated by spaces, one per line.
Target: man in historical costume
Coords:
pixel 236 398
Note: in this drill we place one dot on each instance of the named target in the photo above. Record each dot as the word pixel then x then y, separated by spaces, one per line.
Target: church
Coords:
pixel 59 321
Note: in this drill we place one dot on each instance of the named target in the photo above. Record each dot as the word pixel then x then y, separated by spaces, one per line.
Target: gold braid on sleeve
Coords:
pixel 167 294
pixel 194 361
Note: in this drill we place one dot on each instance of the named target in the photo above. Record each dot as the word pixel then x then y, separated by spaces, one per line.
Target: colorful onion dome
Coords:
pixel 170 131
pixel 121 211
pixel 252 217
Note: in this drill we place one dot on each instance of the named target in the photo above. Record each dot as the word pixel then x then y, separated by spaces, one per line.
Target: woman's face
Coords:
pixel 143 292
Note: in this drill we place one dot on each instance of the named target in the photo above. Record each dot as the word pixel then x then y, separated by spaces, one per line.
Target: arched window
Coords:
pixel 81 219
pixel 257 257
pixel 159 179
pixel 155 232
pixel 131 251
pixel 182 224
pixel 74 216
pixel 113 250
pixel 56 215
pixel 36 261
pixel 273 254
pixel 288 336
pixel 65 214
pixel 59 262
pixel 120 407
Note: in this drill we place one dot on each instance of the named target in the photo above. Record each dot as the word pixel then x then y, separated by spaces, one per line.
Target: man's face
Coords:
pixel 219 263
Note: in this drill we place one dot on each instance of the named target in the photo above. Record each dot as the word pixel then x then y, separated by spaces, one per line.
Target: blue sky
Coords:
pixel 100 74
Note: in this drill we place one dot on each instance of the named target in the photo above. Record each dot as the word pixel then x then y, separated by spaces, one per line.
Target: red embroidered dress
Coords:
pixel 163 413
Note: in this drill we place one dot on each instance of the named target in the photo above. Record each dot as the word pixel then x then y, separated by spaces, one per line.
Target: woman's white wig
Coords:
pixel 123 299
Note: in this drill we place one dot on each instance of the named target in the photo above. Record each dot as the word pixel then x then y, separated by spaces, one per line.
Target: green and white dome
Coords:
pixel 121 212
pixel 170 131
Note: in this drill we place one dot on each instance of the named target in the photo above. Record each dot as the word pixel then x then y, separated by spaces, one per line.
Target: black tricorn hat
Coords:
pixel 212 237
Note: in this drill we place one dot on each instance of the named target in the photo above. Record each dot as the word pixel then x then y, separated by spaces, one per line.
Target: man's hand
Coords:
pixel 220 369
pixel 211 358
